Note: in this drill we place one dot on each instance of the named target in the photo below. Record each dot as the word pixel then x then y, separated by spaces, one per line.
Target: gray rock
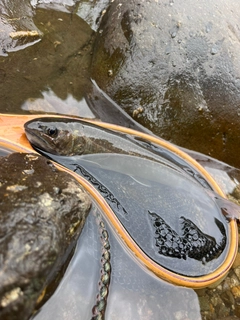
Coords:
pixel 42 212
pixel 174 66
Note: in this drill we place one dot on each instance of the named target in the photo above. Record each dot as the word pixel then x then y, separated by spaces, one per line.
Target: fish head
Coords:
pixel 56 136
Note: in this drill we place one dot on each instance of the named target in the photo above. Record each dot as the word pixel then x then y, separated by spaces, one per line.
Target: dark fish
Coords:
pixel 68 137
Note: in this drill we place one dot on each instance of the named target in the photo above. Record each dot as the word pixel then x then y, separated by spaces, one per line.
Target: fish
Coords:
pixel 69 137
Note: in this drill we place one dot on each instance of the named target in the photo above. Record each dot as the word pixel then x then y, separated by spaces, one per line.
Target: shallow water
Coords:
pixel 51 75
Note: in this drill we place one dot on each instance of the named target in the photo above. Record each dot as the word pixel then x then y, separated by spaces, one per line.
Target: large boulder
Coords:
pixel 175 67
pixel 42 212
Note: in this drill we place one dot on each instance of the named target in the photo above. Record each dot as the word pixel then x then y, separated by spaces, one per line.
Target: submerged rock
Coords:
pixel 174 67
pixel 42 212
pixel 18 30
pixel 53 73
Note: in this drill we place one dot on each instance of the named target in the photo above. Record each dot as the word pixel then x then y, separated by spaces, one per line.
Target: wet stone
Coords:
pixel 179 63
pixel 42 212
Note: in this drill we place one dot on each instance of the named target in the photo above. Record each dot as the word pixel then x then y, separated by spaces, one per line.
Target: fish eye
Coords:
pixel 52 132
